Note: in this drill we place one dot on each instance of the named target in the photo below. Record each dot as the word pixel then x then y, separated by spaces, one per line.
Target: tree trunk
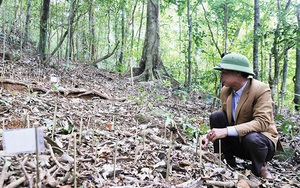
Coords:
pixel 68 49
pixel 256 38
pixel 121 58
pixel 133 25
pixel 277 54
pixel 282 92
pixel 92 31
pixel 58 32
pixel 297 73
pixel 263 63
pixel 141 21
pixel 70 40
pixel 226 26
pixel 108 55
pixel 150 62
pixel 64 35
pixel 43 29
pixel 27 22
pixel 211 32
pixel 189 72
pixel 284 78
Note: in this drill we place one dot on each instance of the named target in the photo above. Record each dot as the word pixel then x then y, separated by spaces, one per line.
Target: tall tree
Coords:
pixel 282 92
pixel 133 25
pixel 279 47
pixel 92 30
pixel 69 39
pixel 43 29
pixel 27 22
pixel 297 73
pixel 256 38
pixel 150 64
pixel 66 34
pixel 121 58
pixel 226 26
pixel 189 72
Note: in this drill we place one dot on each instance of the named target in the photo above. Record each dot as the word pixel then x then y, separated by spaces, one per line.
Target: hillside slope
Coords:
pixel 126 134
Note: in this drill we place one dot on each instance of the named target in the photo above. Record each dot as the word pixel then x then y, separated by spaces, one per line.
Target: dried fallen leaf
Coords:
pixel 50 180
pixel 64 186
pixel 242 184
pixel 110 126
pixel 104 151
pixel 201 121
pixel 66 158
pixel 185 163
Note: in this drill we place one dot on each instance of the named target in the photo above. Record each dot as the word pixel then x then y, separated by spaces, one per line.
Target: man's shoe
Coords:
pixel 264 173
pixel 231 162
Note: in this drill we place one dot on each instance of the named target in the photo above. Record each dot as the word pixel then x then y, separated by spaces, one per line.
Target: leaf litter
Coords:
pixel 102 131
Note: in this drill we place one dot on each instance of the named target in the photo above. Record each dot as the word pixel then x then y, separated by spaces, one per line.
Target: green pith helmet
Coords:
pixel 235 62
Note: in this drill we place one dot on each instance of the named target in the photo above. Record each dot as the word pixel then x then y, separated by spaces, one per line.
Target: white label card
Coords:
pixel 23 140
pixel 54 79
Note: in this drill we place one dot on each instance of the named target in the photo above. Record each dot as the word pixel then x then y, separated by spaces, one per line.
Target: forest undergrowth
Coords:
pixel 103 130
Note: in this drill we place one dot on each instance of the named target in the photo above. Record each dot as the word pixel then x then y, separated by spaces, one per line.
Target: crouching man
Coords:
pixel 245 124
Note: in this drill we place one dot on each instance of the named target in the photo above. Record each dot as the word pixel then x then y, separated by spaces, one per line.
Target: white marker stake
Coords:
pixel 37 157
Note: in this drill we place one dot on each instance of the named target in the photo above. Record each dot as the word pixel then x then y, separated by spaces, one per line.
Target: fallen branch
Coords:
pixel 149 133
pixel 56 161
pixel 29 179
pixel 3 173
pixel 16 183
pixel 9 81
pixel 65 178
pixel 220 183
pixel 73 92
pixel 191 183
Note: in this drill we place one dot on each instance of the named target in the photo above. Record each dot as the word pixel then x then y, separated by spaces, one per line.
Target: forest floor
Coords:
pixel 102 130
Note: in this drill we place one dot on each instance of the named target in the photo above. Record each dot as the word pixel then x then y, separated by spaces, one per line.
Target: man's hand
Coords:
pixel 215 134
pixel 203 142
pixel 212 135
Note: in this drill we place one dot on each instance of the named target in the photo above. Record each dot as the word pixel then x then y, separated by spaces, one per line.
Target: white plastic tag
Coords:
pixel 23 140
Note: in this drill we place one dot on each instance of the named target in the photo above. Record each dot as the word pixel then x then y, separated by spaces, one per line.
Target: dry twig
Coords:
pixel 3 173
pixel 56 161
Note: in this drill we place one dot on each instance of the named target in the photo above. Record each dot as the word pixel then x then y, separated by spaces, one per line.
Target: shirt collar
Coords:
pixel 240 91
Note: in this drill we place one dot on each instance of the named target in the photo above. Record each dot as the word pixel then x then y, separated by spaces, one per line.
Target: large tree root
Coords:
pixel 73 92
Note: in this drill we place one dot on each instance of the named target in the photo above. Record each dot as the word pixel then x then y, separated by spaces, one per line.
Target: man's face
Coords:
pixel 229 78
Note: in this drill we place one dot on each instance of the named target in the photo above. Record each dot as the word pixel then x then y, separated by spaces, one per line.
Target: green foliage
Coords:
pixel 142 95
pixel 122 67
pixel 47 122
pixel 198 34
pixel 170 120
pixel 55 87
pixel 67 128
pixel 283 156
pixel 206 81
pixel 159 97
pixel 166 83
pixel 286 126
pixel 181 93
pixel 194 131
pixel 181 5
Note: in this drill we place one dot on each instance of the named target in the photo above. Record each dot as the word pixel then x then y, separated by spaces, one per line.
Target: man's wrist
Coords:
pixel 232 131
